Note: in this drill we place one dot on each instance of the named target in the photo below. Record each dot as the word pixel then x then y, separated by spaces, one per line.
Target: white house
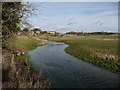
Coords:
pixel 37 32
pixel 52 32
pixel 34 32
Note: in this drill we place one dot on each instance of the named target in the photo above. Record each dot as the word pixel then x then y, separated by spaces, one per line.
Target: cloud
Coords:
pixel 43 18
pixel 97 17
pixel 71 21
pixel 62 27
pixel 98 23
pixel 101 23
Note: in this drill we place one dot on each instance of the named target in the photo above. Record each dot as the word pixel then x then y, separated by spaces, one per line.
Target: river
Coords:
pixel 66 71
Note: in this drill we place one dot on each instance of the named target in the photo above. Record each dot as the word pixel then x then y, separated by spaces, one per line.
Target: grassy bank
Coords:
pixel 17 70
pixel 101 50
pixel 23 42
pixel 101 53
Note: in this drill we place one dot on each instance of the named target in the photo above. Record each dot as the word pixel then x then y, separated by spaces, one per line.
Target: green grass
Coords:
pixel 23 42
pixel 25 59
pixel 96 49
pixel 85 49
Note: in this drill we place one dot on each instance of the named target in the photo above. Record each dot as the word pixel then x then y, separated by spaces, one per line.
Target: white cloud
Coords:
pixel 71 21
pixel 106 20
pixel 43 18
pixel 84 23
pixel 62 27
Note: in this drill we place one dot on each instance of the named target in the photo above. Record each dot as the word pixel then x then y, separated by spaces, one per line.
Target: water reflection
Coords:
pixel 67 71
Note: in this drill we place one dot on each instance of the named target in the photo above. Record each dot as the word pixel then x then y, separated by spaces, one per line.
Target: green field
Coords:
pixel 101 50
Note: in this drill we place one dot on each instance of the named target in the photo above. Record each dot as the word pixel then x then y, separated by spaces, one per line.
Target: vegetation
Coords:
pixel 101 50
pixel 101 53
pixel 10 17
pixel 22 42
pixel 16 62
pixel 14 16
pixel 16 67
pixel 90 33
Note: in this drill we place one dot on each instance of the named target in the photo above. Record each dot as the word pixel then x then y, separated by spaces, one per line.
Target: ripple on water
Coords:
pixel 53 64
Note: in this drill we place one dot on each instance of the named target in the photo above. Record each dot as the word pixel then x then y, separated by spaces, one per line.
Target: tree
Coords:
pixel 10 17
pixel 25 29
pixel 36 29
pixel 15 14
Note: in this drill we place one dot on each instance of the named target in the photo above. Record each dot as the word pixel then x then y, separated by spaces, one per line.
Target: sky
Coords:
pixel 76 16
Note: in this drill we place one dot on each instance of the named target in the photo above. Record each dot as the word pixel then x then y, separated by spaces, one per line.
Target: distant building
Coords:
pixel 34 32
pixel 52 32
pixel 31 32
pixel 37 32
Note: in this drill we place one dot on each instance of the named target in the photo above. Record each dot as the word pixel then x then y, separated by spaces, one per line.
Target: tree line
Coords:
pixel 92 33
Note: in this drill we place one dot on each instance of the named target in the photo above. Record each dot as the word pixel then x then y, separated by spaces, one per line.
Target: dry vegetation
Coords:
pixel 16 67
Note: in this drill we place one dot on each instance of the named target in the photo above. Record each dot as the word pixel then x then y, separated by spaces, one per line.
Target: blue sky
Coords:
pixel 77 16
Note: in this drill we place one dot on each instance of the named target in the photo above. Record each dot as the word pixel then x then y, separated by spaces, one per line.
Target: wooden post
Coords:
pixel 13 58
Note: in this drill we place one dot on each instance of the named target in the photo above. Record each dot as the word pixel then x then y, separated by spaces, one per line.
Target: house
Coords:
pixel 35 32
pixel 31 32
pixel 52 32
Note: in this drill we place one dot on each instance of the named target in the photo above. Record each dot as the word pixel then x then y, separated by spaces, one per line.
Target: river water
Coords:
pixel 67 71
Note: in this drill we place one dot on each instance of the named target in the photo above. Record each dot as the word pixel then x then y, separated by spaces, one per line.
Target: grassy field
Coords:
pixel 101 50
